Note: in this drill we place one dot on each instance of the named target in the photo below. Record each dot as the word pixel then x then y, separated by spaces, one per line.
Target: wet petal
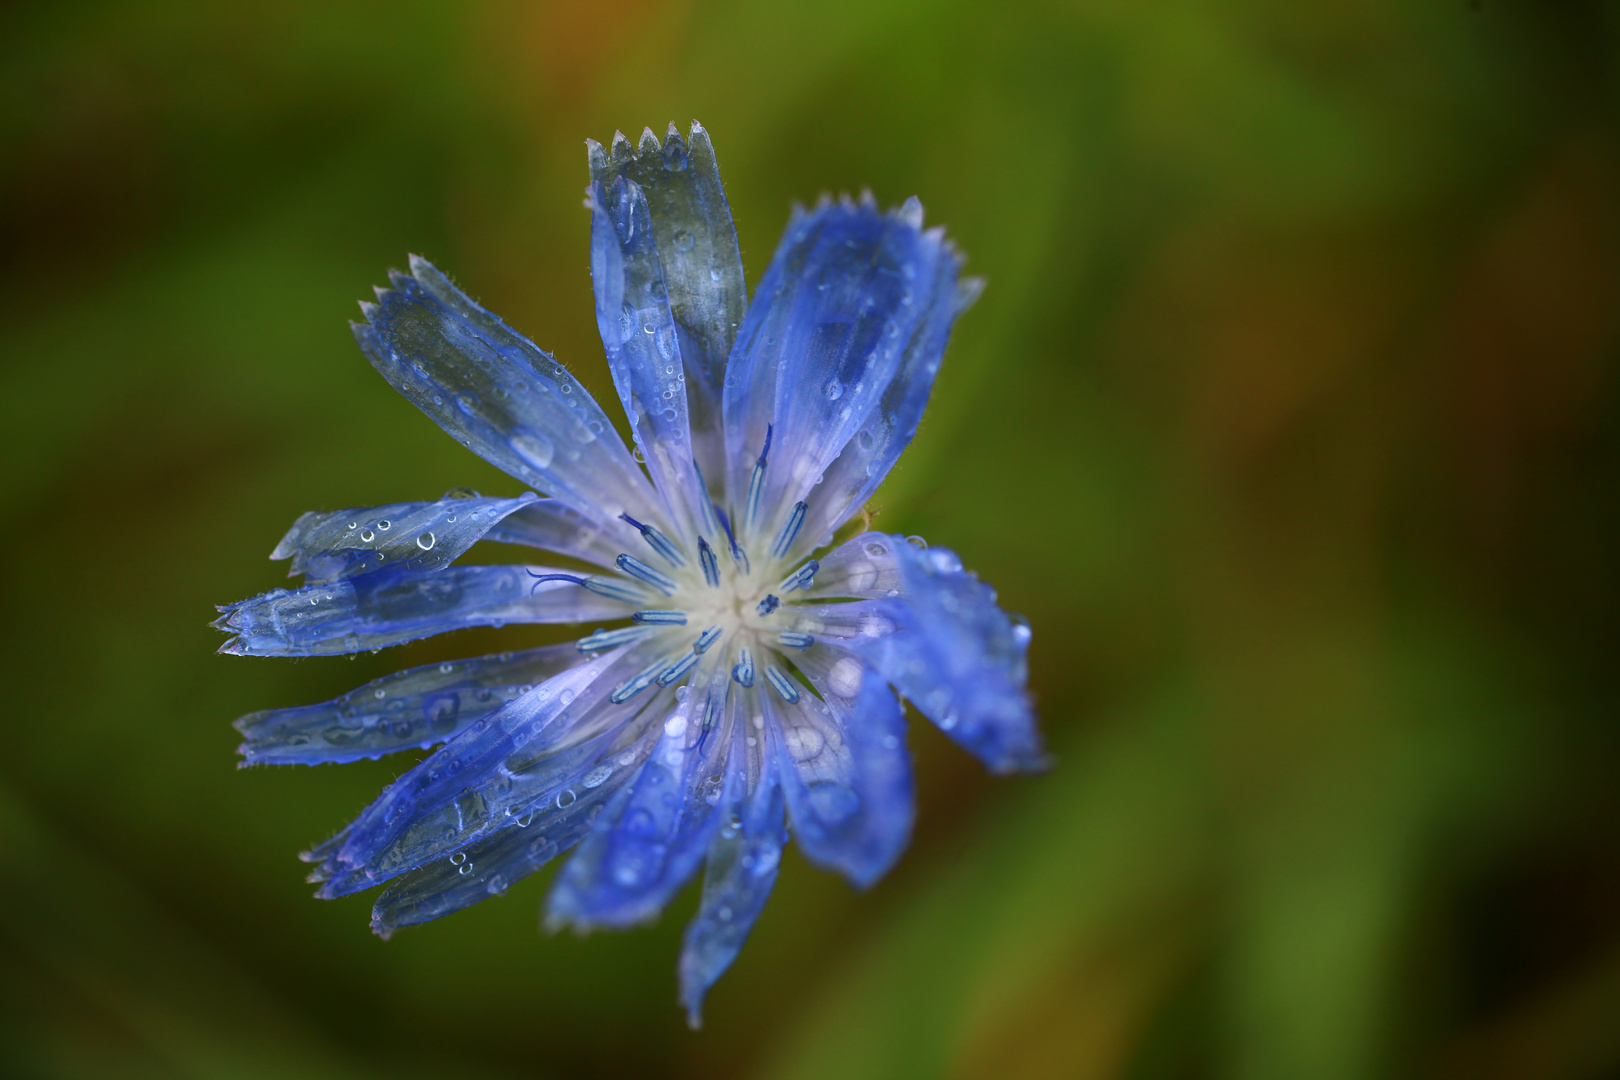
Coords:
pixel 845 768
pixel 702 269
pixel 542 750
pixel 863 566
pixel 741 870
pixel 425 536
pixel 499 394
pixel 388 607
pixel 638 857
pixel 553 525
pixel 488 866
pixel 949 649
pixel 413 708
pixel 841 343
pixel 643 347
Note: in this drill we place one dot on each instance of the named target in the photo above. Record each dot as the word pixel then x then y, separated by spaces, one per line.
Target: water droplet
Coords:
pixel 566 696
pixel 675 726
pixel 496 886
pixel 597 776
pixel 845 678
pixel 684 241
pixel 354 524
pixel 458 858
pixel 385 524
pixel 833 389
pixel 425 541
pixel 917 542
pixel 526 820
pixel 367 535
pixel 467 400
pixel 635 452
pixel 566 798
pixel 876 550
pixel 669 414
pixel 466 868
pixel 714 273
pixel 533 447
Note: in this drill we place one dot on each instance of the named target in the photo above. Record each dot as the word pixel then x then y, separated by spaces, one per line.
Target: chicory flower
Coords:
pixel 744 682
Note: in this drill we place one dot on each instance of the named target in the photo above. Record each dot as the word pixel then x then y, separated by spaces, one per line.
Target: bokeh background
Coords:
pixel 1290 419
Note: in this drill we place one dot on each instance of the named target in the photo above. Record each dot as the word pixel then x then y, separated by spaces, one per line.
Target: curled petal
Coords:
pixel 949 649
pixel 388 607
pixel 499 394
pixel 740 872
pixel 327 547
pixel 637 856
pixel 524 843
pixel 701 268
pixel 844 767
pixel 542 750
pixel 414 708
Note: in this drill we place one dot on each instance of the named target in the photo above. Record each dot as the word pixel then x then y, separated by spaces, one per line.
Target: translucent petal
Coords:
pixel 541 750
pixel 841 341
pixel 702 269
pixel 553 525
pixel 643 348
pixel 638 857
pixel 863 566
pixel 741 869
pixel 500 395
pixel 949 649
pixel 427 536
pixel 845 768
pixel 413 708
pixel 389 607
pixel 526 842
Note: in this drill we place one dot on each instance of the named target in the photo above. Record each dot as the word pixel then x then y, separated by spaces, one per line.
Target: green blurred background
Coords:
pixel 1290 419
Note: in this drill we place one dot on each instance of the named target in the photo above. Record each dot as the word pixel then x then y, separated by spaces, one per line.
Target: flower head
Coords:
pixel 745 681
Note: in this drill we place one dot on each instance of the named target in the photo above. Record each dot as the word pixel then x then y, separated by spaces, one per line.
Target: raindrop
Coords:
pixel 458 858
pixel 833 389
pixel 635 452
pixel 466 868
pixel 385 524
pixel 445 669
pixel 354 524
pixel 425 541
pixel 533 447
pixel 669 414
pixel 467 400
pixel 367 535
pixel 876 550
pixel 684 241
pixel 917 542
pixel 566 696
pixel 566 798
pixel 597 776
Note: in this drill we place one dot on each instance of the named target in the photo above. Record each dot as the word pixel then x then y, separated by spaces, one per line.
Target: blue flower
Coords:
pixel 747 682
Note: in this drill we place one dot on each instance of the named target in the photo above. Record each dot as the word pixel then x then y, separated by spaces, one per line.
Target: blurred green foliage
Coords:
pixel 1290 420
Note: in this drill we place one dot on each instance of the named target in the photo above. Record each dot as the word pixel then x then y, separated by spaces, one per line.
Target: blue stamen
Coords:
pixel 678 668
pixel 782 685
pixel 708 504
pixel 768 605
pixel 616 590
pixel 743 672
pixel 660 618
pixel 711 565
pixel 607 639
pixel 631 687
pixel 707 638
pixel 793 639
pixel 657 540
pixel 756 483
pixel 790 530
pixel 651 575
pixel 738 555
pixel 801 578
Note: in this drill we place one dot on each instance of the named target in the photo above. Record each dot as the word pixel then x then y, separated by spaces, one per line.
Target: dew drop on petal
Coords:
pixel 684 241
pixel 425 541
pixel 533 447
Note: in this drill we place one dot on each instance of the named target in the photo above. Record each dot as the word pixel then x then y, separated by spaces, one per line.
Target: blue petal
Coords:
pixel 702 269
pixel 542 749
pixel 389 607
pixel 553 525
pixel 845 769
pixel 413 708
pixel 327 547
pixel 840 346
pixel 500 395
pixel 949 649
pixel 741 870
pixel 638 856
pixel 643 347
pixel 489 865
pixel 864 566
